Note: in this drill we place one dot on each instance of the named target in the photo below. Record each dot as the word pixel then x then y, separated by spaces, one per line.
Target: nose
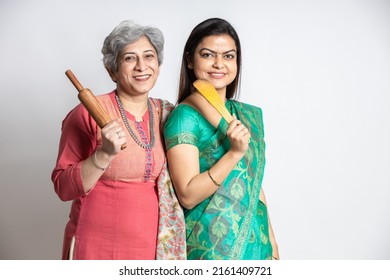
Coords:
pixel 218 61
pixel 140 65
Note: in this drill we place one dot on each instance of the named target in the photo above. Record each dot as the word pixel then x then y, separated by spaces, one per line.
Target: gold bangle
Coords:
pixel 275 258
pixel 212 179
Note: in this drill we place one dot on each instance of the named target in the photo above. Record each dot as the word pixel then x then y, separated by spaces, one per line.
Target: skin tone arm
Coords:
pixel 193 187
pixel 275 250
pixel 112 144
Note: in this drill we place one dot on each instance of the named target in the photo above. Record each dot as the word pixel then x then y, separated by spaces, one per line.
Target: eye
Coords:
pixel 230 56
pixel 149 56
pixel 130 58
pixel 207 54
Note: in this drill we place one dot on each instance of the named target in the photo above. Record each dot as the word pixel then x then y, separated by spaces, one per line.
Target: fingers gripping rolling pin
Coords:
pixel 90 103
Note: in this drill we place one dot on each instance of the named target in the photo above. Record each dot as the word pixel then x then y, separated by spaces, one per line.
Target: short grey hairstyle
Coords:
pixel 127 32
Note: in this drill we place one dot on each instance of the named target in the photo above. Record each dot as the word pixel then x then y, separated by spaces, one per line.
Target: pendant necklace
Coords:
pixel 144 145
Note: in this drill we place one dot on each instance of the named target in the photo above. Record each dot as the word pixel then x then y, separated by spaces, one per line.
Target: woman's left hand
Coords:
pixel 239 137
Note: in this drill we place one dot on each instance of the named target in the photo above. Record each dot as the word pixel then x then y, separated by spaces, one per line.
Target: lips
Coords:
pixel 142 77
pixel 217 75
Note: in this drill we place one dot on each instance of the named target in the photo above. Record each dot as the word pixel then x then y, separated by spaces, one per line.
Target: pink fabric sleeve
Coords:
pixel 78 141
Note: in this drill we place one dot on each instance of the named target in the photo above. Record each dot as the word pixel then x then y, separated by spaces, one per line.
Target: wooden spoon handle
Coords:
pixel 207 90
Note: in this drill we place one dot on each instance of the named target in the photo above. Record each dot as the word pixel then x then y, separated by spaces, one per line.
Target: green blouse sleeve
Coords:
pixel 182 127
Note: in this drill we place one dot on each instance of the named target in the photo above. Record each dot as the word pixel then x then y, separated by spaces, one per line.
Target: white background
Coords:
pixel 320 70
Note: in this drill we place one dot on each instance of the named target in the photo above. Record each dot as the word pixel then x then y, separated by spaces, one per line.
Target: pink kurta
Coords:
pixel 118 218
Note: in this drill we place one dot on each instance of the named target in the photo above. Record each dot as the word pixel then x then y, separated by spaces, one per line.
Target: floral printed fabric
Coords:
pixel 171 241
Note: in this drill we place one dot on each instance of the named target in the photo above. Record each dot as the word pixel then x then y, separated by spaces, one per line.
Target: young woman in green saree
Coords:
pixel 216 167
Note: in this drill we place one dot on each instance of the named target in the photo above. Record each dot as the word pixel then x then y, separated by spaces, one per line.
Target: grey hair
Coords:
pixel 127 32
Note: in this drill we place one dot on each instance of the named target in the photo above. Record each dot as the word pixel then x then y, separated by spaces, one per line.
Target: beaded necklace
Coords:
pixel 144 145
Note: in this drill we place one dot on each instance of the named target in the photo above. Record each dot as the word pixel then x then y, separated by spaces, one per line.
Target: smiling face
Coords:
pixel 138 68
pixel 215 59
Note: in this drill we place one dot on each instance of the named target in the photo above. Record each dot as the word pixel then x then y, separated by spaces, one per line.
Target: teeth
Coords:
pixel 142 77
pixel 219 75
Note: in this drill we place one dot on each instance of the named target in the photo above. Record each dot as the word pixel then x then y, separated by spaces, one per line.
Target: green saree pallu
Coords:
pixel 231 224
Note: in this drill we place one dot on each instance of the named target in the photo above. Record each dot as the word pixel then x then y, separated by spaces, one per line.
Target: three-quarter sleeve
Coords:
pixel 78 141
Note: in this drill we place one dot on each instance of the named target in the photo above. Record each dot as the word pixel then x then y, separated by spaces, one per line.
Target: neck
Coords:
pixel 135 105
pixel 222 94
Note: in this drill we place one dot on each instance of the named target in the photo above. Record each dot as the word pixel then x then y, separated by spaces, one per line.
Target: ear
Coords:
pixel 112 75
pixel 189 61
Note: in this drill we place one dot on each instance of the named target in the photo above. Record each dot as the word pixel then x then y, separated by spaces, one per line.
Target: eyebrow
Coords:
pixel 136 53
pixel 210 50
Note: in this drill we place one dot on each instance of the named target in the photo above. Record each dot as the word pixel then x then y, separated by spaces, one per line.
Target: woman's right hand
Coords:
pixel 113 137
pixel 239 137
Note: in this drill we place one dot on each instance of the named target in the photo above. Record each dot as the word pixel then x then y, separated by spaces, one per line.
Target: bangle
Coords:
pixel 275 258
pixel 95 161
pixel 212 179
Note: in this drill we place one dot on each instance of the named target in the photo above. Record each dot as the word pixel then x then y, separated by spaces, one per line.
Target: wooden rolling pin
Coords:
pixel 90 102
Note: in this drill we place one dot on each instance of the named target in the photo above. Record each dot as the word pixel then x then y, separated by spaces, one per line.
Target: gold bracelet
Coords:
pixel 95 161
pixel 275 258
pixel 212 179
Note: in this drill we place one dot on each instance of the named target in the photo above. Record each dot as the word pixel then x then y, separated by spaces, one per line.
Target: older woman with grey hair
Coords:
pixel 123 205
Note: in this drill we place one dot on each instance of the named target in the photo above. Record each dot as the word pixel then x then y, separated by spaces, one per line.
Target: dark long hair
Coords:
pixel 209 27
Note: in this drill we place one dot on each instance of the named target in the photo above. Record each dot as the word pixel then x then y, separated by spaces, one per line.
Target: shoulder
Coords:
pixel 78 122
pixel 105 95
pixel 184 111
pixel 106 99
pixel 162 104
pixel 183 118
pixel 79 115
pixel 182 127
pixel 246 106
pixel 76 115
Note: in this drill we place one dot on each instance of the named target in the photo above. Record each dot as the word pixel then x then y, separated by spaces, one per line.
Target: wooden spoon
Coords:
pixel 207 90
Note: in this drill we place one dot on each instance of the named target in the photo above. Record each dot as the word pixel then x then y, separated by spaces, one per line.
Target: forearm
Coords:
pixel 67 182
pixel 203 185
pixel 93 168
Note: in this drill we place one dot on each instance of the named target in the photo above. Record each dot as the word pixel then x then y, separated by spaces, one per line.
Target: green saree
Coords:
pixel 231 224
